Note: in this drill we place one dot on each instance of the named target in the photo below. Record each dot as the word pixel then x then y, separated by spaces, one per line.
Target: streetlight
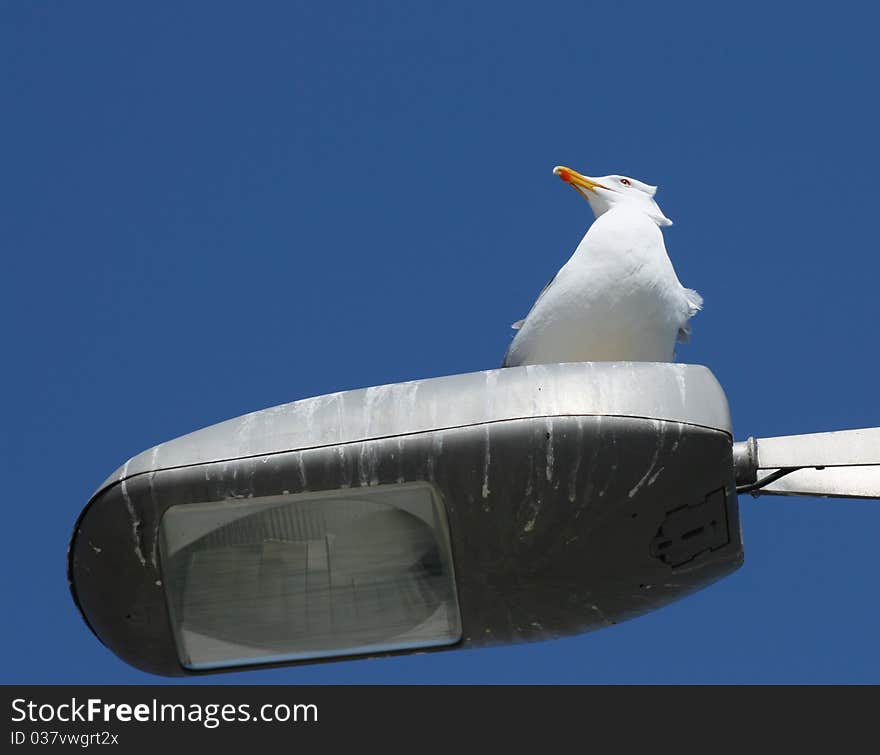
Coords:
pixel 487 508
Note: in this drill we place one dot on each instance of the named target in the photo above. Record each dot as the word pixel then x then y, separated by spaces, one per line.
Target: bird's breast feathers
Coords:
pixel 622 234
pixel 616 299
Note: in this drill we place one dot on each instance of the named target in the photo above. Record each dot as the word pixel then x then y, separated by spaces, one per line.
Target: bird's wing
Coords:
pixel 519 323
pixel 504 362
pixel 695 304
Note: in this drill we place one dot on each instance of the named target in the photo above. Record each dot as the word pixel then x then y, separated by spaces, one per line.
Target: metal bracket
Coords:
pixel 842 464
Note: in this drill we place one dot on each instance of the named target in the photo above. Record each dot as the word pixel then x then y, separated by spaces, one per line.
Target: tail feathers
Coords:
pixel 694 300
pixel 695 304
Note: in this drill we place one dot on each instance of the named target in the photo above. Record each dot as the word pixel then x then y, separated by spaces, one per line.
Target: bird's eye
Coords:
pixel 625 181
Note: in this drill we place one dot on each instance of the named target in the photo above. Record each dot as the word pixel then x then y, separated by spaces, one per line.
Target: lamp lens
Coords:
pixel 310 575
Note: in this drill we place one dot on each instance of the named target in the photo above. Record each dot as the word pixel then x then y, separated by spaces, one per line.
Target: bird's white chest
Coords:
pixel 617 298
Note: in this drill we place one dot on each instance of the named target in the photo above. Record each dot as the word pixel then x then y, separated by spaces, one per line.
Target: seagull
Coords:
pixel 617 299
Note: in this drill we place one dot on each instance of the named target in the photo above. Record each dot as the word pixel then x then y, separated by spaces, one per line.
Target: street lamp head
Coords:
pixel 493 507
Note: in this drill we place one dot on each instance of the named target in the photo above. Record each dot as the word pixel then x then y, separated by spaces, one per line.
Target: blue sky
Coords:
pixel 210 208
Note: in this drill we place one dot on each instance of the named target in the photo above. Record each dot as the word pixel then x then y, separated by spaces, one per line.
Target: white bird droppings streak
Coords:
pixel 575 468
pixel 373 396
pixel 410 401
pixel 135 522
pixel 374 465
pixel 245 429
pixel 679 430
pixel 601 614
pixel 301 470
pixel 362 466
pixel 341 416
pixel 653 478
pixel 487 460
pixel 154 552
pixel 612 468
pixel 529 486
pixel 368 473
pixel 491 390
pixel 647 477
pixel 343 468
pixel 436 450
pixel 682 386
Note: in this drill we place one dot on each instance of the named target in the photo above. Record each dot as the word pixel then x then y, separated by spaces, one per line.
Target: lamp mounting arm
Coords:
pixel 841 464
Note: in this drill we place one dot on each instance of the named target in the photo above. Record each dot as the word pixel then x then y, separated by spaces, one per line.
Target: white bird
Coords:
pixel 618 297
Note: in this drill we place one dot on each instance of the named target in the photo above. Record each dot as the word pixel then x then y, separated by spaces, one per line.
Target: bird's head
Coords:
pixel 607 192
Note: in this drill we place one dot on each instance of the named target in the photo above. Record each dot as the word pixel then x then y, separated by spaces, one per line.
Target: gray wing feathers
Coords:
pixel 519 323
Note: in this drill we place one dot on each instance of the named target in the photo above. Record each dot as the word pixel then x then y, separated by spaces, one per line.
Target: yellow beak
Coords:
pixel 576 180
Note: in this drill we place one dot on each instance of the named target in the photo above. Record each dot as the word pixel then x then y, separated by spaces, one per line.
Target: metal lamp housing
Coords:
pixel 493 507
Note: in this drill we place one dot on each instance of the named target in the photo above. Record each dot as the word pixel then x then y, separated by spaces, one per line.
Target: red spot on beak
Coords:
pixel 565 176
